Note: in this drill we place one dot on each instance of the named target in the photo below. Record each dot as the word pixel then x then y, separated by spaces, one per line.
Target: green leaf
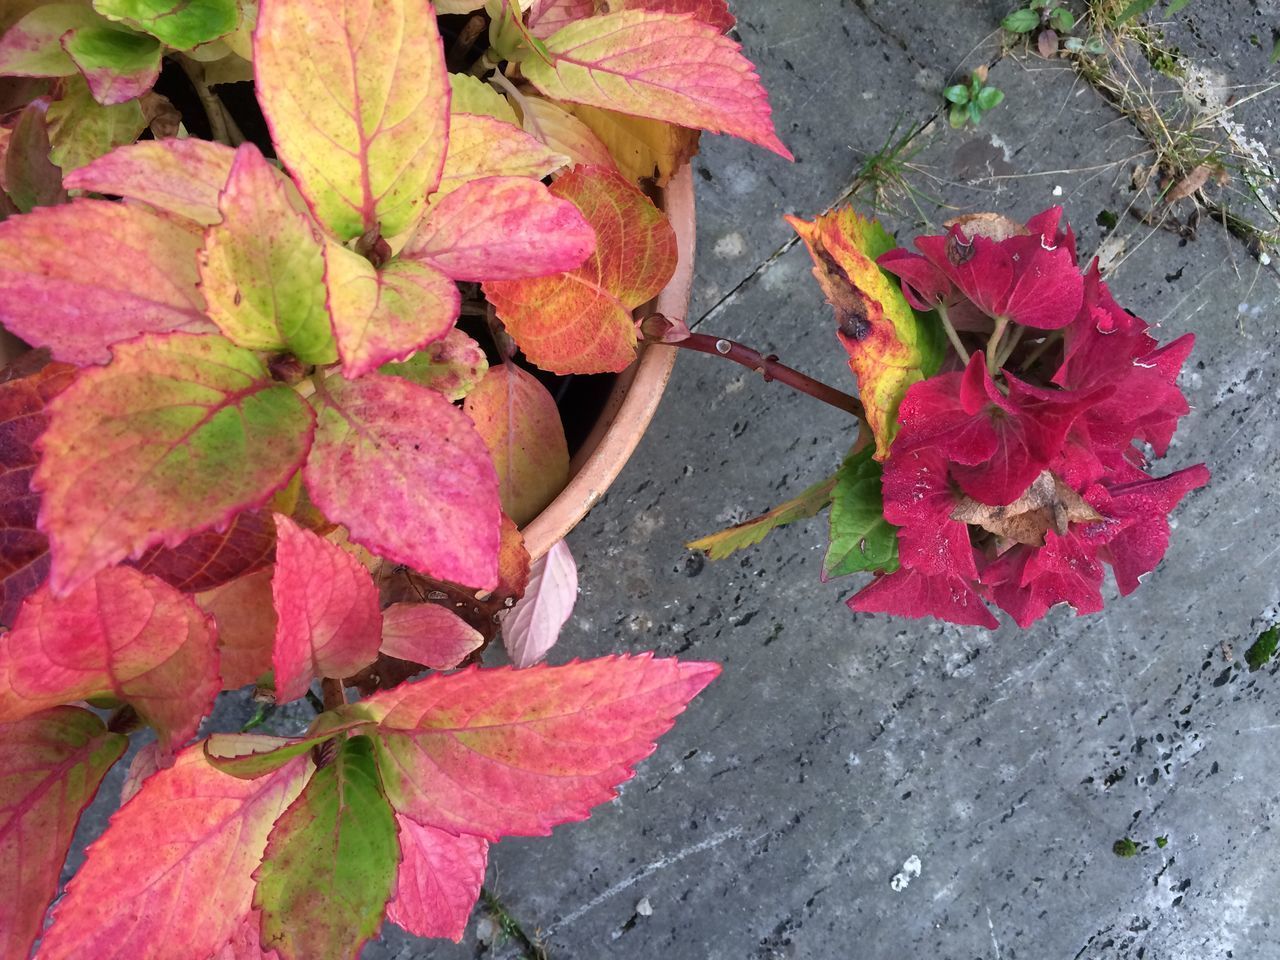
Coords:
pixel 861 538
pixel 32 47
pixel 330 863
pixel 958 115
pixel 989 98
pixel 118 64
pixel 1175 6
pixel 957 94
pixel 975 112
pixel 1263 649
pixel 1021 21
pixel 809 503
pixel 262 267
pixel 182 24
pixel 179 433
pixel 82 130
pixel 1062 20
pixel 1136 9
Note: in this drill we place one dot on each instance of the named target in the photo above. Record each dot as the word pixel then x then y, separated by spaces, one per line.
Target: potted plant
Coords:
pixel 286 416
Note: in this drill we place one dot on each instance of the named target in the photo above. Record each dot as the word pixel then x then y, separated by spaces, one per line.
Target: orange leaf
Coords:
pixel 580 321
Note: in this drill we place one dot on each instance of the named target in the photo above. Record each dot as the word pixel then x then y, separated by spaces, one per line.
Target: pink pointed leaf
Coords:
pixel 368 152
pixel 408 475
pixel 502 228
pixel 438 882
pixel 387 314
pixel 532 627
pixel 122 634
pixel 262 267
pixel 50 767
pixel 429 634
pixel 520 424
pixel 24 550
pixel 246 618
pixel 82 276
pixel 328 623
pixel 178 435
pixel 181 853
pixel 663 66
pixel 580 321
pixel 183 176
pixel 547 16
pixel 515 752
pixel 213 557
pixel 714 12
pixel 488 147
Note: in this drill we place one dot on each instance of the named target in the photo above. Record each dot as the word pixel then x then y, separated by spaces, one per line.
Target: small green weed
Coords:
pixel 969 101
pixel 1263 649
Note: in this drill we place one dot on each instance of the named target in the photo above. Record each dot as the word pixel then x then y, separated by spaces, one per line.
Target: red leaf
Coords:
pixel 24 551
pixel 407 474
pixel 179 434
pixel 181 854
pixel 428 634
pixel 534 623
pixel 909 593
pixel 121 634
pixel 246 619
pixel 515 752
pixel 81 276
pixel 714 12
pixel 520 424
pixel 658 65
pixel 50 768
pixel 439 880
pixel 178 176
pixel 502 228
pixel 214 557
pixel 580 321
pixel 328 622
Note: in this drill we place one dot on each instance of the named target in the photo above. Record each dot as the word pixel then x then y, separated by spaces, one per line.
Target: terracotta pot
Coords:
pixel 635 396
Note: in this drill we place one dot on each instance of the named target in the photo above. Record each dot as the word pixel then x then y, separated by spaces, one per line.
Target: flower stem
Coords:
pixel 952 335
pixel 1014 339
pixel 1050 339
pixel 771 369
pixel 334 694
pixel 219 127
pixel 993 345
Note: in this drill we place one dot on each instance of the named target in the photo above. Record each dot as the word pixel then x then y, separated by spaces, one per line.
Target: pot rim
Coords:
pixel 635 396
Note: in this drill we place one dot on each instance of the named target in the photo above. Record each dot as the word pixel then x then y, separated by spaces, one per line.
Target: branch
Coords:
pixel 771 369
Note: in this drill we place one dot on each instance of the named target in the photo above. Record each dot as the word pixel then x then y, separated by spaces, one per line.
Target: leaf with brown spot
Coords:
pixel 1048 504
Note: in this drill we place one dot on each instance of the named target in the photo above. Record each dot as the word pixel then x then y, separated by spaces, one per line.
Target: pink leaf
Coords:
pixel 714 12
pixel 81 276
pixel 122 634
pixel 327 608
pixel 439 880
pixel 520 424
pixel 387 314
pixel 534 623
pixel 52 764
pixel 183 177
pixel 502 228
pixel 407 474
pixel 246 617
pixel 515 752
pixel 658 65
pixel 178 435
pixel 429 634
pixel 548 16
pixel 181 854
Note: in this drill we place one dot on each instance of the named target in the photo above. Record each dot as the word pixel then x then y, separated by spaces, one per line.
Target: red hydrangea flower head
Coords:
pixel 1017 473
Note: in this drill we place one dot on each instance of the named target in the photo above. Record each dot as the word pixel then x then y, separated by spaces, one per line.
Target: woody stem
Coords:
pixel 771 369
pixel 334 694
